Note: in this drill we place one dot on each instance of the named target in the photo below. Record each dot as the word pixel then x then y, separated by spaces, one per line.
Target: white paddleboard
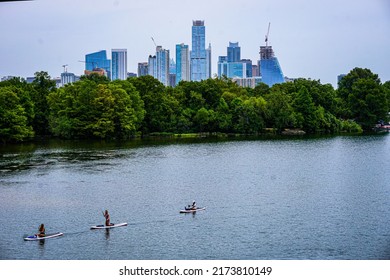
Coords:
pixel 106 227
pixel 192 210
pixel 50 235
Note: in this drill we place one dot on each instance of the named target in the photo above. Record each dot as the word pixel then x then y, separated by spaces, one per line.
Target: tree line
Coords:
pixel 96 108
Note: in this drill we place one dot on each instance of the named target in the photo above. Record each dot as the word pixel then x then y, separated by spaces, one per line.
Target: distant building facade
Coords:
pixel 118 64
pixel 247 82
pixel 98 60
pixel 182 63
pixel 232 66
pixel 143 69
pixel 270 70
pixel 162 65
pixel 159 65
pixel 152 66
pixel 200 57
pixel 68 78
pixel 233 52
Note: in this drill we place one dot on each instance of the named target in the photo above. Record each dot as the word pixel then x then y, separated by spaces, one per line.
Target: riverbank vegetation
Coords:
pixel 95 107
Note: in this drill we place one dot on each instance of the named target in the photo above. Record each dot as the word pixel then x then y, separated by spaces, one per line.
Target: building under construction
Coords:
pixel 270 70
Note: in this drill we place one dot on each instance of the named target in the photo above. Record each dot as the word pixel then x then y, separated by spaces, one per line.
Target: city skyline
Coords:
pixel 311 41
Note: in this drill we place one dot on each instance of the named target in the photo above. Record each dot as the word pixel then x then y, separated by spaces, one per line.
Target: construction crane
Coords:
pixel 94 64
pixel 154 42
pixel 266 36
pixel 65 70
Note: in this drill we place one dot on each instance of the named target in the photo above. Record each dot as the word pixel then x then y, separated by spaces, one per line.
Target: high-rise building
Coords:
pixel 182 63
pixel 270 70
pixel 255 71
pixel 222 66
pixel 159 65
pixel 67 78
pixel 162 65
pixel 118 64
pixel 232 66
pixel 233 52
pixel 152 66
pixel 200 57
pixel 208 62
pixel 98 60
pixel 142 69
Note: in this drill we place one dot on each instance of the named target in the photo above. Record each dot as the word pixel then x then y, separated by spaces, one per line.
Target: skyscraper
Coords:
pixel 270 70
pixel 232 66
pixel 182 63
pixel 142 69
pixel 119 64
pixel 162 65
pixel 152 66
pixel 200 58
pixel 208 62
pixel 98 60
pixel 233 52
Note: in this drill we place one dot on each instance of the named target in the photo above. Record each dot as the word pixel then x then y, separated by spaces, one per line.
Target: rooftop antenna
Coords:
pixel 65 70
pixel 266 36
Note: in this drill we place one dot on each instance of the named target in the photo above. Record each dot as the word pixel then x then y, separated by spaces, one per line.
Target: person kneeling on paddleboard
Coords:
pixel 193 205
pixel 107 216
pixel 41 231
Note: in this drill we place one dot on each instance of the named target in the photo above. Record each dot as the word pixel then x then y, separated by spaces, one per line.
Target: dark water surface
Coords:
pixel 311 198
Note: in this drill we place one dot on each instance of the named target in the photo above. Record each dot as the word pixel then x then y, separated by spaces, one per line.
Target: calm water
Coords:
pixel 323 198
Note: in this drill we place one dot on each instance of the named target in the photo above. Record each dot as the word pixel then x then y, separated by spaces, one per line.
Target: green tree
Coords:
pixel 158 110
pixel 280 111
pixel 87 109
pixel 24 91
pixel 305 109
pixel 364 97
pixel 42 85
pixel 13 117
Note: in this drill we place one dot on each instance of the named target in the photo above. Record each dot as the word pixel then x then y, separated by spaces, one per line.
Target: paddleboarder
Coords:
pixel 107 216
pixel 41 231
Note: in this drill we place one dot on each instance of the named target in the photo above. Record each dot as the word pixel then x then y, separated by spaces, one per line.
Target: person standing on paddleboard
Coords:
pixel 41 231
pixel 107 216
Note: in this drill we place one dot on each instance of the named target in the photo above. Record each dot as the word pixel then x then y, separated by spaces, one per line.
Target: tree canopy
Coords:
pixel 95 107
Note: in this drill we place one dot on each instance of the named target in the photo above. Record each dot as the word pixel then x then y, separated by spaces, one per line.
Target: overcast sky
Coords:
pixel 312 39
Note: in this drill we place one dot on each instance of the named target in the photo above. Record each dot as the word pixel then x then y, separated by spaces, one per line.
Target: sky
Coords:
pixel 312 39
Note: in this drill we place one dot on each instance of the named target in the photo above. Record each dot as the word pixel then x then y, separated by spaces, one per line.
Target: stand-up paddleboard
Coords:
pixel 110 226
pixel 190 210
pixel 47 236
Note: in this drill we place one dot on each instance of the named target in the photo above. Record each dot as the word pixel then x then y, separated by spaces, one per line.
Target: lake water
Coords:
pixel 302 198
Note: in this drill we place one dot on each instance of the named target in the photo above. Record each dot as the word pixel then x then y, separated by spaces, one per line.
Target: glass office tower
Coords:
pixel 119 64
pixel 152 66
pixel 162 65
pixel 142 69
pixel 182 63
pixel 232 66
pixel 98 60
pixel 270 70
pixel 200 57
pixel 233 52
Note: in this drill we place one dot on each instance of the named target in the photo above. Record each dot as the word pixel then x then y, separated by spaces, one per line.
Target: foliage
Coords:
pixel 13 117
pixel 364 98
pixel 95 107
pixel 89 109
pixel 42 86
